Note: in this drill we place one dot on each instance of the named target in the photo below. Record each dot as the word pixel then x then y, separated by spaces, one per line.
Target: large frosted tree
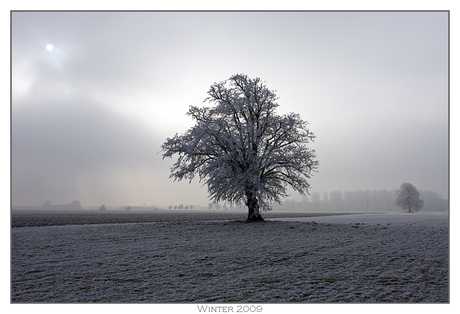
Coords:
pixel 241 149
pixel 408 198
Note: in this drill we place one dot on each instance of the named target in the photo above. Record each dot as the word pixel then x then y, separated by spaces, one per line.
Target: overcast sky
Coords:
pixel 89 116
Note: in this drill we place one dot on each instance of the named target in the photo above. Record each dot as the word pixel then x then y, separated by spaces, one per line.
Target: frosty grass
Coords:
pixel 393 257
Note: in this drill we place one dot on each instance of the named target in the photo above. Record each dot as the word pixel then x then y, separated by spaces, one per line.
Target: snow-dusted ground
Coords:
pixel 393 257
pixel 429 219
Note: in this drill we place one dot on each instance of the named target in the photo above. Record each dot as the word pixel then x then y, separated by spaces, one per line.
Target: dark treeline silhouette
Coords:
pixel 180 207
pixel 352 201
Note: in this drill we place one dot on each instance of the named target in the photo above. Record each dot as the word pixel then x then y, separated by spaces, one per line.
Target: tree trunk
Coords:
pixel 253 209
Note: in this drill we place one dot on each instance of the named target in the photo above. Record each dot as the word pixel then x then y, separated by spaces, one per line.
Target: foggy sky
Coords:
pixel 89 117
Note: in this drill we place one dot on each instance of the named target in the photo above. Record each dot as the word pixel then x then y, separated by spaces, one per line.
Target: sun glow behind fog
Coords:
pixel 49 47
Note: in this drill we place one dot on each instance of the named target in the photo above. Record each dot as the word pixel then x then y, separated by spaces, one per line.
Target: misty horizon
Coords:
pixel 339 201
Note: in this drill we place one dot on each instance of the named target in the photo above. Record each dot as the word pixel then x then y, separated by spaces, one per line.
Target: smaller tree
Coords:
pixel 75 205
pixel 408 198
pixel 46 205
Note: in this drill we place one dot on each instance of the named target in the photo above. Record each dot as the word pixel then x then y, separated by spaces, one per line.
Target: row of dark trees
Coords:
pixel 181 206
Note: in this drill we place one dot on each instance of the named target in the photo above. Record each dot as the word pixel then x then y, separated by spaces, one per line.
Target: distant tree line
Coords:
pixel 75 205
pixel 225 206
pixel 137 208
pixel 181 206
pixel 367 200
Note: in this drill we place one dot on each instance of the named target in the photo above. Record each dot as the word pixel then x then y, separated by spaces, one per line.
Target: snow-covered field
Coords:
pixel 392 257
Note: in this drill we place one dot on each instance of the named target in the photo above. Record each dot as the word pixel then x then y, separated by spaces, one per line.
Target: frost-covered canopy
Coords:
pixel 241 148
pixel 408 198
